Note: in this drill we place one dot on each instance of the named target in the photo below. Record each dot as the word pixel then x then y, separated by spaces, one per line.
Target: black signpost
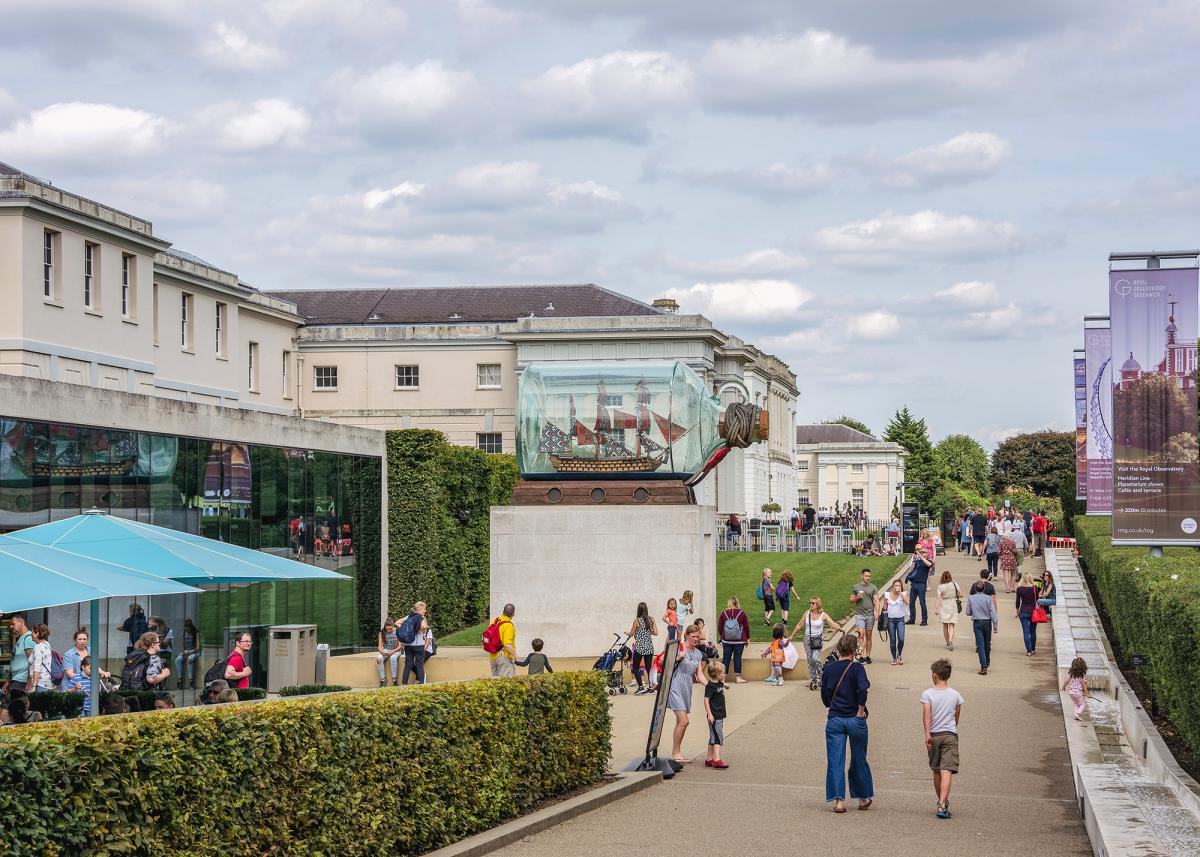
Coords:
pixel 658 715
pixel 910 526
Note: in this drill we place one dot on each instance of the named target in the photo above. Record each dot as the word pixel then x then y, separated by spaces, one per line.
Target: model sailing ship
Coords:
pixel 601 449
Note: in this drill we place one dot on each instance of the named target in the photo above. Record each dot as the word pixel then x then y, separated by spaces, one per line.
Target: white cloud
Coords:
pixel 497 183
pixel 258 125
pixel 773 180
pixel 376 19
pixel 964 158
pixel 744 300
pixel 427 97
pixel 174 199
pixel 612 95
pixel 1146 198
pixel 891 239
pixel 481 24
pixel 229 47
pixel 973 293
pixel 821 74
pixel 378 198
pixel 878 324
pixel 757 263
pixel 80 131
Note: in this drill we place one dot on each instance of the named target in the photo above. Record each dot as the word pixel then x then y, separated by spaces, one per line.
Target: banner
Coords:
pixel 1080 428
pixel 1097 350
pixel 1156 483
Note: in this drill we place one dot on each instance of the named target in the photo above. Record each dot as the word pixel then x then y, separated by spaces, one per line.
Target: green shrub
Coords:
pixel 307 689
pixel 1153 605
pixel 398 771
pixel 439 497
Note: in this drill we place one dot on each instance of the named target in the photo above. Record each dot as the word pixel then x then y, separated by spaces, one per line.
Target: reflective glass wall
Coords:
pixel 304 504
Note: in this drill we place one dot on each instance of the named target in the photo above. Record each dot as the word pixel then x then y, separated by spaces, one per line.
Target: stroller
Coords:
pixel 613 663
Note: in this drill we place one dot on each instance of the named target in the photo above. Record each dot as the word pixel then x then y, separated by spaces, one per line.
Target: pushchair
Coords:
pixel 613 663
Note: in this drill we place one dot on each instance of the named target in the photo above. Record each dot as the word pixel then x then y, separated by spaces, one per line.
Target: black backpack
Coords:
pixel 133 672
pixel 216 671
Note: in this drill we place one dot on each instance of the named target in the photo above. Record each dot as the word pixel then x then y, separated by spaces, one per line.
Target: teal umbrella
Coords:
pixel 165 553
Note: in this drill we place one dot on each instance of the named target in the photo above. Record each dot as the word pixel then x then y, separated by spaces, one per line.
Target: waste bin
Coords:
pixel 292 656
pixel 322 660
pixel 257 660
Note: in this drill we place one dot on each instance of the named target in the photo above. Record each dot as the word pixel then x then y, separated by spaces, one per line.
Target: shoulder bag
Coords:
pixel 957 598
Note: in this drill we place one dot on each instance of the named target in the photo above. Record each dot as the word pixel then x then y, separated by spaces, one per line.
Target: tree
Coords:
pixel 1146 412
pixel 844 420
pixel 1037 460
pixel 964 463
pixel 913 435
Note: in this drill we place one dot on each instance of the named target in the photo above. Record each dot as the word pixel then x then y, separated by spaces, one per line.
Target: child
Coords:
pixel 536 661
pixel 686 609
pixel 714 707
pixel 941 709
pixel 1076 685
pixel 776 655
pixel 81 682
pixel 671 619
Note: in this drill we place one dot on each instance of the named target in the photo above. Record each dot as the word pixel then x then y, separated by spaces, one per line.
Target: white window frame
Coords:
pixel 252 367
pixel 802 466
pixel 483 376
pixel 128 285
pixel 331 374
pixel 91 256
pixel 186 311
pixel 479 442
pixel 221 318
pixel 50 249
pixel 857 498
pixel 287 359
pixel 802 498
pixel 154 311
pixel 857 468
pixel 414 376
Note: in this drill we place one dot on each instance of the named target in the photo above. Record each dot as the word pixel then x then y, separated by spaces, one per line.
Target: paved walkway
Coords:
pixel 1014 794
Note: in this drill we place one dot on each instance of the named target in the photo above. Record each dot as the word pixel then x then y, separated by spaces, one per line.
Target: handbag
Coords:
pixel 1038 616
pixel 957 598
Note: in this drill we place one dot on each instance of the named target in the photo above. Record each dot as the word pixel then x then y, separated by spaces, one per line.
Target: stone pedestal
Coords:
pixel 577 573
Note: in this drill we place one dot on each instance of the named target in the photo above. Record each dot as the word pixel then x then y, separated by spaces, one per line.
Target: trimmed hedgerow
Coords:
pixel 310 775
pixel 308 689
pixel 1153 605
pixel 439 501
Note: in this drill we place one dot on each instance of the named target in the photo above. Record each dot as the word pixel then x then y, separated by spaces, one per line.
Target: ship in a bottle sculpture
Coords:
pixel 626 420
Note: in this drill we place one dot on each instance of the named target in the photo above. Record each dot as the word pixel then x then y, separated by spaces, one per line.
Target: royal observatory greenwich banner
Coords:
pixel 1156 482
pixel 1080 427
pixel 1097 351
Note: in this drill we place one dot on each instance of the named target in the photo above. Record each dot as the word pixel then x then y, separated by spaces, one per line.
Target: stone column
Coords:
pixel 822 491
pixel 843 493
pixel 869 467
pixel 891 494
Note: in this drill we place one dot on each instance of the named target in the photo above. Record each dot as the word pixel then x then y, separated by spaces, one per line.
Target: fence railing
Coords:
pixel 824 535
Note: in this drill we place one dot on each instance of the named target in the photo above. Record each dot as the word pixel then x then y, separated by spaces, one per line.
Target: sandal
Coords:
pixel 866 804
pixel 837 808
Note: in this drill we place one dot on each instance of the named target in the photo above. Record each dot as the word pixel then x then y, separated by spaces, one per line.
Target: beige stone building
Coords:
pixel 836 465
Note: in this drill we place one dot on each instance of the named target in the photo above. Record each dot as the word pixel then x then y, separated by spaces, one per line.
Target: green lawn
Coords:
pixel 828 575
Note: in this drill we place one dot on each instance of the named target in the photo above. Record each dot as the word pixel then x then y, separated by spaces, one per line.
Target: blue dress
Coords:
pixel 680 697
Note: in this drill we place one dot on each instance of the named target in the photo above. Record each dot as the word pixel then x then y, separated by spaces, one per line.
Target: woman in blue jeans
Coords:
pixel 896 602
pixel 1027 595
pixel 844 686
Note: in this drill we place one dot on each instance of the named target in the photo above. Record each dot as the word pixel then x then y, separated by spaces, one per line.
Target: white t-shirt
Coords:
pixel 943 701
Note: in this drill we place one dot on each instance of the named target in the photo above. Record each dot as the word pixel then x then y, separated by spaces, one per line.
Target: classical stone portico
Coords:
pixel 836 465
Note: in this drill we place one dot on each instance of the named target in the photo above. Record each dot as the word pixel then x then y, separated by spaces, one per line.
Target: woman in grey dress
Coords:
pixel 679 699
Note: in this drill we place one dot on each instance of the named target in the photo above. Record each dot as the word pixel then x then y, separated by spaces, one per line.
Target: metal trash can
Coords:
pixel 322 660
pixel 292 656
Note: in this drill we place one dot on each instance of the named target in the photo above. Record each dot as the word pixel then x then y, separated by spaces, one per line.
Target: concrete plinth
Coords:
pixel 577 573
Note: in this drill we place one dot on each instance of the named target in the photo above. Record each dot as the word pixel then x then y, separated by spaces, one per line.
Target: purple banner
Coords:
pixel 1156 484
pixel 1080 429
pixel 1097 350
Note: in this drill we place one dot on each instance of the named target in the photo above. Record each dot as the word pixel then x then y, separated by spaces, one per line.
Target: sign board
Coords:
pixel 1097 350
pixel 1080 371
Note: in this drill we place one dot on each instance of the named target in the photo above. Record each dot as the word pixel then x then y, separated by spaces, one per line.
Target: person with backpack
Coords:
pixel 500 642
pixel 237 670
pixel 41 663
pixel 411 634
pixel 143 669
pixel 783 594
pixel 135 625
pixel 734 626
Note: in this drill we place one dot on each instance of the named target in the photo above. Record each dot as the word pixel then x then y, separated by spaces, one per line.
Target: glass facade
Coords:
pixel 305 504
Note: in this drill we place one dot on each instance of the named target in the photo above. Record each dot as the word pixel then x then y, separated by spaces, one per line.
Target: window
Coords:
pixel 252 367
pixel 856 498
pixel 185 320
pixel 91 267
pixel 490 441
pixel 488 375
pixel 802 466
pixel 154 310
pixel 408 377
pixel 803 500
pixel 856 468
pixel 128 285
pixel 612 400
pixel 325 377
pixel 287 359
pixel 49 265
pixel 220 338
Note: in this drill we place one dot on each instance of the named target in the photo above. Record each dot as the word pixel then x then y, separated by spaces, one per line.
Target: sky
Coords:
pixel 910 202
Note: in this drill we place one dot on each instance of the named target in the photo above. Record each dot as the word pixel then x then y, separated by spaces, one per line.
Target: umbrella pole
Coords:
pixel 94 621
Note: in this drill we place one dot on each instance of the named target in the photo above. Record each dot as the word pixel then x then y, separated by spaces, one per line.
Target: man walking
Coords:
pixel 22 651
pixel 864 595
pixel 918 584
pixel 978 533
pixel 504 659
pixel 1039 533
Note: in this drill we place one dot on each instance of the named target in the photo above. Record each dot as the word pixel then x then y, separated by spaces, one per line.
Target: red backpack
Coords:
pixel 491 636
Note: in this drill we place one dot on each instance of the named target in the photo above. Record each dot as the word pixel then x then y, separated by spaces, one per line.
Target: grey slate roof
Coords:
pixel 458 304
pixel 832 434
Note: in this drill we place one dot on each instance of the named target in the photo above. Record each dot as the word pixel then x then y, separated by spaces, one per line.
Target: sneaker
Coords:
pixel 867 659
pixel 382 683
pixel 708 763
pixel 719 765
pixel 769 679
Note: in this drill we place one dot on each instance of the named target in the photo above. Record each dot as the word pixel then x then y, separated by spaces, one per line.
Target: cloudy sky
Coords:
pixel 910 202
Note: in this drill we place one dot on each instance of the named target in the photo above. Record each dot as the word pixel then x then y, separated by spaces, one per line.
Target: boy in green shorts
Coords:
pixel 941 708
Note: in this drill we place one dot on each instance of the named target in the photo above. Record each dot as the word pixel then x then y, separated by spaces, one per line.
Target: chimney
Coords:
pixel 666 305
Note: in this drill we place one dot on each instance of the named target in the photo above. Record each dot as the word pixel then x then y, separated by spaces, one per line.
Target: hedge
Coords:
pixel 59 705
pixel 397 771
pixel 439 497
pixel 309 689
pixel 1153 605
